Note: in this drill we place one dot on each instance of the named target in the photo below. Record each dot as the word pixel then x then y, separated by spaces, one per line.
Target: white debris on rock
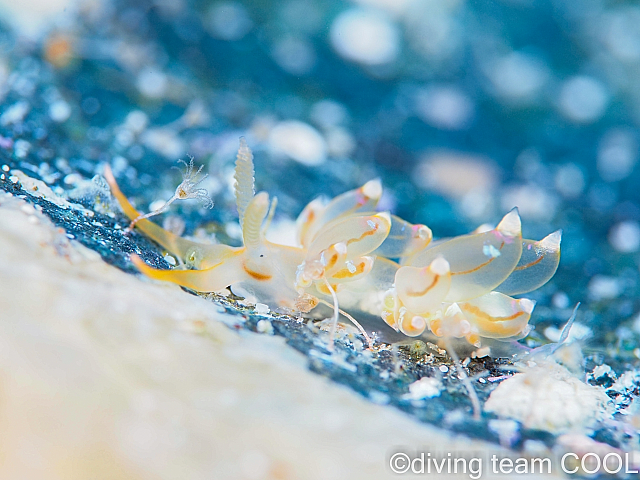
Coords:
pixel 152 83
pixel 583 99
pixel 38 188
pixel 507 431
pixel 365 36
pixel 134 379
pixel 59 111
pixel 15 113
pixel 298 141
pixel 625 237
pixel 602 287
pixel 426 387
pixel 329 113
pixel 549 397
pixel 264 326
pixel 533 202
pixel 294 55
pixel 445 107
pixel 518 77
pixel 261 309
pixel 229 21
pixel 617 154
pixel 165 141
pixel 455 174
pixel 570 180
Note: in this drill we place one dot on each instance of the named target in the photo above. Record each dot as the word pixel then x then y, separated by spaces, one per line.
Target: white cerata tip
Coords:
pixel 527 305
pixel 373 189
pixel 439 266
pixel 552 241
pixel 510 225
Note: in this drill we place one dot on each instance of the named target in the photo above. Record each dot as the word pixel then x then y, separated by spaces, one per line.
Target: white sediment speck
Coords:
pixel 59 111
pixel 136 121
pixel 365 36
pixel 21 148
pixel 455 174
pixel 261 308
pixel 340 143
pixel 477 205
pixel 395 7
pixel 379 398
pixel 532 201
pixel 507 430
pixel 164 141
pixel 329 113
pixel 426 387
pixel 621 32
pixel 264 326
pixel 444 107
pixel 625 237
pixel 617 154
pixel 627 382
pixel 560 300
pixel 233 229
pixel 229 21
pixel 602 287
pixel 294 55
pixel 601 371
pixel 298 141
pixel 152 83
pixel 569 180
pixel 518 76
pixel 15 113
pixel 583 99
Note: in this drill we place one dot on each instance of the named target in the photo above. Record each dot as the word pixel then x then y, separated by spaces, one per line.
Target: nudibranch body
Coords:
pixel 345 249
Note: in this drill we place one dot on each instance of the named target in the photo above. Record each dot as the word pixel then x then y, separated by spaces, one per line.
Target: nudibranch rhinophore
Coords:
pixel 347 250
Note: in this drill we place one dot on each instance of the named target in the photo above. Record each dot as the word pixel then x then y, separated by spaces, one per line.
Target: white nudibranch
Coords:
pixel 346 250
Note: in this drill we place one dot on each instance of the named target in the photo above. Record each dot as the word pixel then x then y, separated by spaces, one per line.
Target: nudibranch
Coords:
pixel 347 250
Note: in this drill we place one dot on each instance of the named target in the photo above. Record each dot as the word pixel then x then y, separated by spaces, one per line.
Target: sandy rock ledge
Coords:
pixel 104 376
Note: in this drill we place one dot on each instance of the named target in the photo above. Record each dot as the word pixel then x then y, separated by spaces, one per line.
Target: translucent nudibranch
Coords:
pixel 459 288
pixel 346 249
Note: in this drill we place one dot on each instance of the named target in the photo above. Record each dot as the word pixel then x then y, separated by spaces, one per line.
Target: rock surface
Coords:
pixel 104 375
